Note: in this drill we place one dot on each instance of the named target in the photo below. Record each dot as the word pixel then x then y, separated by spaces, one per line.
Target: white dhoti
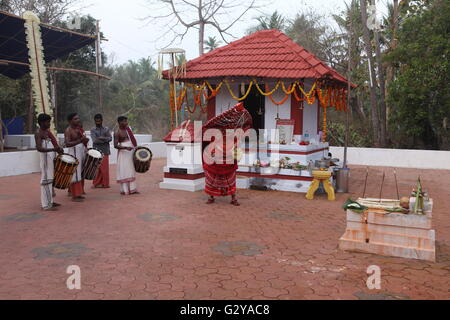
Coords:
pixel 126 174
pixel 77 186
pixel 47 175
pixel 79 152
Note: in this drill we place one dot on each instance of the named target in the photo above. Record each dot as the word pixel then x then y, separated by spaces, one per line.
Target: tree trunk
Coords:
pixel 373 95
pixel 360 108
pixel 392 46
pixel 201 38
pixel 201 29
pixel 381 79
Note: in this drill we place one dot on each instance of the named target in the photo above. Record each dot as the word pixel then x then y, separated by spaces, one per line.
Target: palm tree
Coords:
pixel 212 44
pixel 266 22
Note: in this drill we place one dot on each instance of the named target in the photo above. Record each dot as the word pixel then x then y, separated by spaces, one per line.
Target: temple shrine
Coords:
pixel 283 86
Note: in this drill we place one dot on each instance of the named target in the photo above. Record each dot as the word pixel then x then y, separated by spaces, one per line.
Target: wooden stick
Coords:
pixel 365 182
pixel 396 184
pixel 58 69
pixel 382 182
pixel 80 71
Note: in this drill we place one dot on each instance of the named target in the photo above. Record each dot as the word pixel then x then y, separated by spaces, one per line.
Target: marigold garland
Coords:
pixel 327 95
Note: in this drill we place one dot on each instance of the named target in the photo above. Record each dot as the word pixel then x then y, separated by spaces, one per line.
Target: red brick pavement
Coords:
pixel 170 245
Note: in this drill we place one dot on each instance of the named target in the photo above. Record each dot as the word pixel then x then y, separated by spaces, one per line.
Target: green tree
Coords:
pixel 269 22
pixel 212 44
pixel 136 91
pixel 420 93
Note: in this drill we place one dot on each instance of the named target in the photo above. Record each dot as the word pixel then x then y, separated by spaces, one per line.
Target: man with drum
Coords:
pixel 47 145
pixel 125 143
pixel 76 142
pixel 101 137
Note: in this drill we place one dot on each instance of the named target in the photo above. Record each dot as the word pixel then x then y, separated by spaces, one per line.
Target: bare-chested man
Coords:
pixel 76 142
pixel 125 142
pixel 47 145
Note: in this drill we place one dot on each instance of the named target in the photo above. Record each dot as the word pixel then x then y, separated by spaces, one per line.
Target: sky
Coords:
pixel 131 38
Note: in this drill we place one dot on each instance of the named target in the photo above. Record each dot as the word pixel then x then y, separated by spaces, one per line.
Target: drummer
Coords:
pixel 125 143
pixel 101 137
pixel 76 142
pixel 47 145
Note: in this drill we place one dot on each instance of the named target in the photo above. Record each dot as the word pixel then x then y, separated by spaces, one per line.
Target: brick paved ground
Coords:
pixel 170 245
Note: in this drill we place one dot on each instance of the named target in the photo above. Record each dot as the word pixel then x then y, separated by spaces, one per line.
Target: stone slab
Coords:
pixel 388 250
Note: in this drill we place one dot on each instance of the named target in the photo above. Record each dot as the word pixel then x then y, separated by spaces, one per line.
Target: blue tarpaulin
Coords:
pixel 13 46
pixel 15 126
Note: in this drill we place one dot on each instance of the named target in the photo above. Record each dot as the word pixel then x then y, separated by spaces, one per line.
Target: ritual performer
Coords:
pixel 47 145
pixel 220 174
pixel 125 143
pixel 101 137
pixel 76 142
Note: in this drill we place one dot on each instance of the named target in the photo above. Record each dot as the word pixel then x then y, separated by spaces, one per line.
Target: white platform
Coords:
pixel 183 184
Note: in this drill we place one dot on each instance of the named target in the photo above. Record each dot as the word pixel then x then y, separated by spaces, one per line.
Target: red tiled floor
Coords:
pixel 207 251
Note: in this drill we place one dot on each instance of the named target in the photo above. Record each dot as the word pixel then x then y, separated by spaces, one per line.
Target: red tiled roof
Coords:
pixel 263 54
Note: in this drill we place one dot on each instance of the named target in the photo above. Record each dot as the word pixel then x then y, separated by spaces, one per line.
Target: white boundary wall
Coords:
pixel 25 162
pixel 420 159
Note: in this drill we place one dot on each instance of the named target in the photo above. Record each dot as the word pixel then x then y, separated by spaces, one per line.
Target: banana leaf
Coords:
pixel 354 206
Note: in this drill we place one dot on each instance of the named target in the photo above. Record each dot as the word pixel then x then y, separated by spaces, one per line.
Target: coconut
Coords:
pixel 404 202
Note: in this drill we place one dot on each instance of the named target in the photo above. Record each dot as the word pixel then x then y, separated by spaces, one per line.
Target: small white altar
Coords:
pixel 279 167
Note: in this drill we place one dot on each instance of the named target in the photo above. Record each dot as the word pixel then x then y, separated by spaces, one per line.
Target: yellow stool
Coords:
pixel 324 176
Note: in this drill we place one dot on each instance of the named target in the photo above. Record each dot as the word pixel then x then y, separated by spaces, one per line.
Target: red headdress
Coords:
pixel 235 118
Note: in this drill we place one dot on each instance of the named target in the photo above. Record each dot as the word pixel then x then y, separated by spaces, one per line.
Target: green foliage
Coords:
pixel 212 43
pixel 336 135
pixel 421 90
pixel 13 103
pixel 136 91
pixel 269 22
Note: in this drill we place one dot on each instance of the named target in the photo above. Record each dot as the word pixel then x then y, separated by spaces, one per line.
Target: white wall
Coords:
pixel 14 141
pixel 16 163
pixel 25 162
pixel 224 100
pixel 422 159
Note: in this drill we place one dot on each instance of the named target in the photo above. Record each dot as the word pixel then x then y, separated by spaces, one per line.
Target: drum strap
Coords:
pixel 52 138
pixel 131 136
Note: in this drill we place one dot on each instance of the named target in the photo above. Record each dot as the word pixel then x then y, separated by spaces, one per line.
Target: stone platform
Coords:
pixel 395 234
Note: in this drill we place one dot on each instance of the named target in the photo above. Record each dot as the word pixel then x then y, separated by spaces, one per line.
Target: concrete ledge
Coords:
pixel 183 185
pixel 402 158
pixel 26 162
pixel 17 163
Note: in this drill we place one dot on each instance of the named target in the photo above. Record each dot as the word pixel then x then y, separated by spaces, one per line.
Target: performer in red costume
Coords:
pixel 220 174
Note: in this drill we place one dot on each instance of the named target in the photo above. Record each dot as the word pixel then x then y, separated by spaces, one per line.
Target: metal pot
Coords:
pixel 322 164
